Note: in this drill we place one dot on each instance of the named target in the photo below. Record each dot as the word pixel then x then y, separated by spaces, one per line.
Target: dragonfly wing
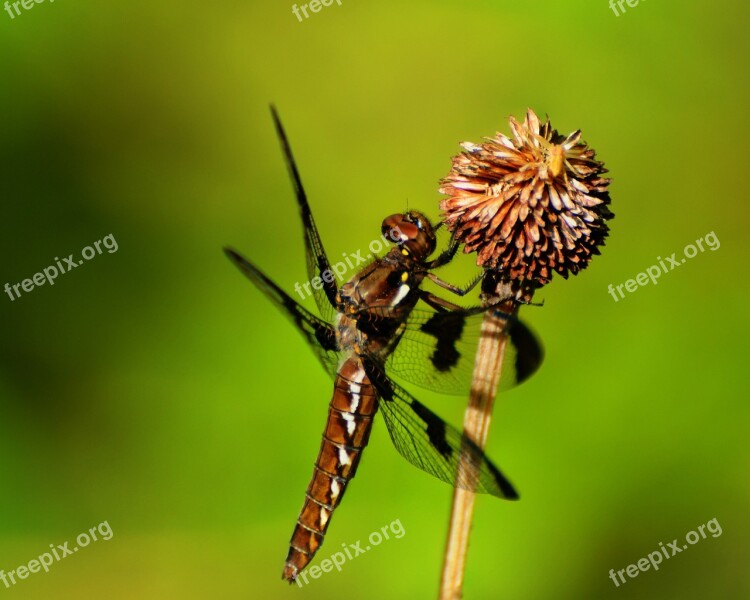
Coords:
pixel 434 446
pixel 316 259
pixel 436 350
pixel 319 335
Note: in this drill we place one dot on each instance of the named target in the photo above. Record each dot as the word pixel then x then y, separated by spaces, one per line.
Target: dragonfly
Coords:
pixel 377 324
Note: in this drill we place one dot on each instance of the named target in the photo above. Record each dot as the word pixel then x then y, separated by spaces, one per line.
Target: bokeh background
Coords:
pixel 156 389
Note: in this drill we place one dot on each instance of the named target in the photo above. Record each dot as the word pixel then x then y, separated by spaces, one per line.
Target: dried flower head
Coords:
pixel 529 205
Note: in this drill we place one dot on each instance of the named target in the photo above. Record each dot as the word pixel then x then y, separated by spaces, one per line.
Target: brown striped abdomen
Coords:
pixel 350 415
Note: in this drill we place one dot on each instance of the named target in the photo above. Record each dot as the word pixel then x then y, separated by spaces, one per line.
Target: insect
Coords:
pixel 370 328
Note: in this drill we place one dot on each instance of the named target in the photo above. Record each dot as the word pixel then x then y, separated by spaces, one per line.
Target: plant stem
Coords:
pixel 477 418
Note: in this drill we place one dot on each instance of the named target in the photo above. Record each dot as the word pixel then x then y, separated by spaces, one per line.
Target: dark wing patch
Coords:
pixel 436 429
pixel 447 329
pixel 437 348
pixel 528 351
pixel 319 335
pixel 431 444
pixel 316 259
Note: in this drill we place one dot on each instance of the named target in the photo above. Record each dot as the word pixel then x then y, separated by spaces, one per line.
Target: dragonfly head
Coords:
pixel 412 232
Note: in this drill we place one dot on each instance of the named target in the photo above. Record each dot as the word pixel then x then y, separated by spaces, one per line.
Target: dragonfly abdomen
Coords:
pixel 347 431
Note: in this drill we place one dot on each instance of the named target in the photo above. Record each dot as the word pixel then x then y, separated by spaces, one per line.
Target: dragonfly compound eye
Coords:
pixel 412 231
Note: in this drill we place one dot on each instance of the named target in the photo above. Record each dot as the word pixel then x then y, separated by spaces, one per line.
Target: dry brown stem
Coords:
pixel 477 418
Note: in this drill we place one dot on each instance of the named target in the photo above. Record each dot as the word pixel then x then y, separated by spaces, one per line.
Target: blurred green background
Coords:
pixel 156 389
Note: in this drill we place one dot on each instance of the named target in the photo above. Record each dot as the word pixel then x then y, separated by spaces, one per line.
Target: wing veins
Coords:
pixel 316 258
pixel 320 336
